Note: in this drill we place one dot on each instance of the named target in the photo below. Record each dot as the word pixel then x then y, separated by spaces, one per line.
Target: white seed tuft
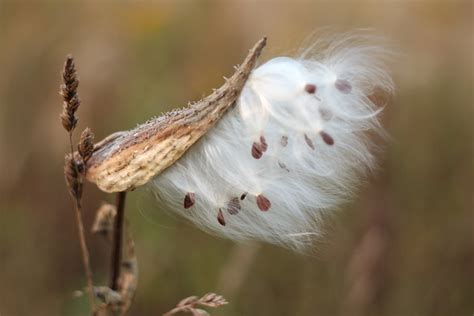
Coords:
pixel 307 114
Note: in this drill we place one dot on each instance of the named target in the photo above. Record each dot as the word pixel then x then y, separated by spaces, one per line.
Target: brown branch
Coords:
pixel 117 302
pixel 85 256
pixel 117 241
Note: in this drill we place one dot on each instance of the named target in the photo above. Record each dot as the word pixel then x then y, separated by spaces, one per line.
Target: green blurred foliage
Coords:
pixel 137 60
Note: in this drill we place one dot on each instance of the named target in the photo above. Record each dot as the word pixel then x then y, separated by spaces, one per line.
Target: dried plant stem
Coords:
pixel 74 183
pixel 85 255
pixel 117 241
pixel 74 168
pixel 72 148
pixel 82 237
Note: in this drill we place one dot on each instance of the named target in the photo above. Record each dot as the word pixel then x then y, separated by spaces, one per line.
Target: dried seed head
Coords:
pixel 68 90
pixel 70 81
pixel 309 142
pixel 212 300
pixel 263 203
pixel 327 138
pixel 310 88
pixel 189 200
pixel 86 144
pixel 220 217
pixel 72 176
pixel 343 86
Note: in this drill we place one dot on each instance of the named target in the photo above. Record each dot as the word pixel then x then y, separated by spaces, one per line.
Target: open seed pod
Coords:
pixel 129 159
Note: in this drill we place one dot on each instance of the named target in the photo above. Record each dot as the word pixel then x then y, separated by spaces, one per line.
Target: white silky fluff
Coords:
pixel 301 183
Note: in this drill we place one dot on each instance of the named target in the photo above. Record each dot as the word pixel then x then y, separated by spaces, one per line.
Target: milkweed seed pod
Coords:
pixel 287 145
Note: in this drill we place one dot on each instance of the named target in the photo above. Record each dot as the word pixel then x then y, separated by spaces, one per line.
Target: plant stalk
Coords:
pixel 117 241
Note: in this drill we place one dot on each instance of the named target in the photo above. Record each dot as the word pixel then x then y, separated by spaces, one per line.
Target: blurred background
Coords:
pixel 403 247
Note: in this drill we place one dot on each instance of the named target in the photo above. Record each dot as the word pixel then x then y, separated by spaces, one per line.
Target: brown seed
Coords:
pixel 243 196
pixel 284 141
pixel 263 203
pixel 189 200
pixel 263 143
pixel 326 114
pixel 309 142
pixel 343 86
pixel 257 151
pixel 283 166
pixel 327 138
pixel 220 217
pixel 310 88
pixel 233 206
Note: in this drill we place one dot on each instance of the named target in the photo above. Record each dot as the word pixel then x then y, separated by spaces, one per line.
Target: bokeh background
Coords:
pixel 404 246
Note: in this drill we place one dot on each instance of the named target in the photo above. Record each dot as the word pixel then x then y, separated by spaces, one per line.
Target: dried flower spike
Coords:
pixel 72 176
pixel 68 91
pixel 191 304
pixel 86 144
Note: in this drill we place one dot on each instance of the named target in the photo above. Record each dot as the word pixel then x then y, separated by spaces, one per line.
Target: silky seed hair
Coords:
pixel 292 149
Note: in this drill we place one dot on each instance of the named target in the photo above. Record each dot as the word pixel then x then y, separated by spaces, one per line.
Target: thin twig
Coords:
pixel 117 302
pixel 85 255
pixel 117 242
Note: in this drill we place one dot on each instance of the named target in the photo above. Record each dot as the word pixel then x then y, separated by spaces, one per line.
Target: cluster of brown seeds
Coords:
pixel 233 206
pixel 259 147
